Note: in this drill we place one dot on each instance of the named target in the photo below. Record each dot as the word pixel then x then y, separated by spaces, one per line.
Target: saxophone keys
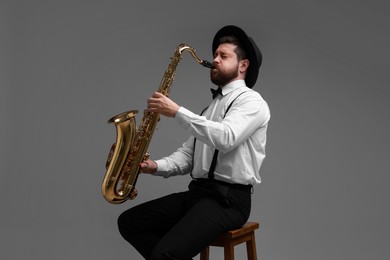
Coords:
pixel 146 156
pixel 133 194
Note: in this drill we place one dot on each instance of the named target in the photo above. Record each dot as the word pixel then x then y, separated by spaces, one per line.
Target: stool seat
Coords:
pixel 235 237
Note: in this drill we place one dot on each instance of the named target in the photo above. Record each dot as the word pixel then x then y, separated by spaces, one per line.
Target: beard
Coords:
pixel 221 78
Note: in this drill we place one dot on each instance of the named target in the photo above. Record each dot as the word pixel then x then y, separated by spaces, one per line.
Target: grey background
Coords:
pixel 68 66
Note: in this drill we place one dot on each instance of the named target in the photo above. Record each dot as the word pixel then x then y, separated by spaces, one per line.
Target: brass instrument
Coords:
pixel 130 149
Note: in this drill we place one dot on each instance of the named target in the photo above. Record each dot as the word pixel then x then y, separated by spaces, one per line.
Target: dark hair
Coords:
pixel 241 54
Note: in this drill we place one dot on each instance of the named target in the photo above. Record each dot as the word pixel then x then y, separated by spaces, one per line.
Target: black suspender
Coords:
pixel 215 156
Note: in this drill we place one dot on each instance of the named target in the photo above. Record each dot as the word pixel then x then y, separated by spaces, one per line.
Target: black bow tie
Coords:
pixel 216 92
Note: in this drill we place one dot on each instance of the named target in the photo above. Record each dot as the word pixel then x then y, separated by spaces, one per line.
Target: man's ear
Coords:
pixel 244 64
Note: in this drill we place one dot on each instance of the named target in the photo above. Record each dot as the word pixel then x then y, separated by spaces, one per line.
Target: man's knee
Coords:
pixel 121 221
pixel 125 227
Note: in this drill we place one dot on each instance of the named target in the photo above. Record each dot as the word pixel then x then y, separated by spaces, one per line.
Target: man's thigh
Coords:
pixel 155 215
pixel 201 224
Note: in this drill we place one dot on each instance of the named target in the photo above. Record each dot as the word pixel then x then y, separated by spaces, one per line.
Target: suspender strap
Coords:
pixel 215 156
pixel 193 154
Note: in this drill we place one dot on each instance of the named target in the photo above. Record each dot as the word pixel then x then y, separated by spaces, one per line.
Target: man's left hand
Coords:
pixel 163 105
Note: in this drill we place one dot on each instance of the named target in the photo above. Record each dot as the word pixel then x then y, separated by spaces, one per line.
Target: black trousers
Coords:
pixel 180 225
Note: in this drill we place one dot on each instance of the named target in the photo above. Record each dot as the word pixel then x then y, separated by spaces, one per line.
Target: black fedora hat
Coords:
pixel 252 50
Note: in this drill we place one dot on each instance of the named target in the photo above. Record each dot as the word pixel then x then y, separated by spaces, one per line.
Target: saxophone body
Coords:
pixel 130 148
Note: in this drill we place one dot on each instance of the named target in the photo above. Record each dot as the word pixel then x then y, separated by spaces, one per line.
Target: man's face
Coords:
pixel 225 65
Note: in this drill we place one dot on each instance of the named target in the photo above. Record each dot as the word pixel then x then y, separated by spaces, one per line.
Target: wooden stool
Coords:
pixel 232 238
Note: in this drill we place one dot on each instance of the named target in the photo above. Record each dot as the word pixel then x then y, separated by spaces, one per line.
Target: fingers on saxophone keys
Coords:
pixel 144 165
pixel 151 107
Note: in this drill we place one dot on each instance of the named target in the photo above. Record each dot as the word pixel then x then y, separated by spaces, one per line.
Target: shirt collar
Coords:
pixel 232 86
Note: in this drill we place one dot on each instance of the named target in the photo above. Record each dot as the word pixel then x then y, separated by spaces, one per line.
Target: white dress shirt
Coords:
pixel 240 137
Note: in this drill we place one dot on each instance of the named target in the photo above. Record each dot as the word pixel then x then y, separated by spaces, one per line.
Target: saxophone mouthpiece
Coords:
pixel 207 64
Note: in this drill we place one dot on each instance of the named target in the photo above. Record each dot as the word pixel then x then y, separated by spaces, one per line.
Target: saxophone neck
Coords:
pixel 184 47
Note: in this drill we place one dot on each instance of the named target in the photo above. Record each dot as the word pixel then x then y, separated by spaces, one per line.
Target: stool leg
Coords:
pixel 229 251
pixel 204 254
pixel 251 248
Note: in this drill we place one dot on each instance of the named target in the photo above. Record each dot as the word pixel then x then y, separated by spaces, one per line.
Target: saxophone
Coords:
pixel 130 149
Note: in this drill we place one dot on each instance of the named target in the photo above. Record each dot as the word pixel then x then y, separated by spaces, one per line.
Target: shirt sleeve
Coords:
pixel 247 113
pixel 178 163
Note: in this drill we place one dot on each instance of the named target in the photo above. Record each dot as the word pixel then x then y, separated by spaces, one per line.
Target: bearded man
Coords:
pixel 223 154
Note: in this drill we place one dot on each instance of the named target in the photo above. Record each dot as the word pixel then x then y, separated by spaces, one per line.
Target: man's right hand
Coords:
pixel 148 166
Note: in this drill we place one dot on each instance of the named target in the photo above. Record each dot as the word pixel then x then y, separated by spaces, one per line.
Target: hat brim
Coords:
pixel 252 50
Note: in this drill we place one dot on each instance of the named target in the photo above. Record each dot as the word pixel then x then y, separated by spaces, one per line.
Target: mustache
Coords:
pixel 214 66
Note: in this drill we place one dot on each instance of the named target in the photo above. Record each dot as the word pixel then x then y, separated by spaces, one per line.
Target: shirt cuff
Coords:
pixel 162 168
pixel 184 116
